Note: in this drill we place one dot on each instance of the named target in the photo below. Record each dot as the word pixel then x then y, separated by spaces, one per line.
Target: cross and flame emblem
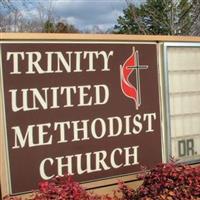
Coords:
pixel 130 65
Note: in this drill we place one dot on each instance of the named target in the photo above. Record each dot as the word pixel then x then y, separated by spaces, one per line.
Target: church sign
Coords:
pixel 89 109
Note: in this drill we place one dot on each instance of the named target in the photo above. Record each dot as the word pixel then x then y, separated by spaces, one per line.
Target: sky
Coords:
pixel 86 14
pixel 83 14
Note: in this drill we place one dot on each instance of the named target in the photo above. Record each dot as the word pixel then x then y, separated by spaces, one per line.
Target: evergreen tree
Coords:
pixel 157 17
pixel 131 22
pixel 49 27
pixel 59 27
pixel 65 28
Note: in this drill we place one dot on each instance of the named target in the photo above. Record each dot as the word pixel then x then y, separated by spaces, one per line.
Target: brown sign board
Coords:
pixel 90 109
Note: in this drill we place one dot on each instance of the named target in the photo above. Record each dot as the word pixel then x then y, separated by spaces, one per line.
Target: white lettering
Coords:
pixel 16 56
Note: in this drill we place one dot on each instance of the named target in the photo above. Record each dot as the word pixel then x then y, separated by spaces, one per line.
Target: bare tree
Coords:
pixel 10 5
pixel 11 15
pixel 10 21
pixel 45 12
pixel 13 19
pixel 195 30
pixel 6 4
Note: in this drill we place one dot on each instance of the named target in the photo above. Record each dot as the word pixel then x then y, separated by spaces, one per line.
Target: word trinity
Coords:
pixel 59 62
